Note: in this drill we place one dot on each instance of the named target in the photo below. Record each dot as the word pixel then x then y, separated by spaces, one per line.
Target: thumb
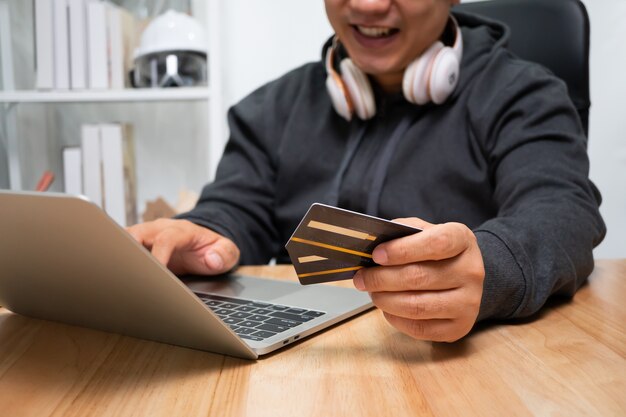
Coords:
pixel 222 256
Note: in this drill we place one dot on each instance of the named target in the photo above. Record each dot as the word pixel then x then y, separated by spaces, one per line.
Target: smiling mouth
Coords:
pixel 376 32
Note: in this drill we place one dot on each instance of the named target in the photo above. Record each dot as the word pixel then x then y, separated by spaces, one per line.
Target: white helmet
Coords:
pixel 172 31
pixel 172 52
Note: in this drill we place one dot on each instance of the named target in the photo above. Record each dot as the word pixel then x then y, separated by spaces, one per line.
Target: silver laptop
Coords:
pixel 63 259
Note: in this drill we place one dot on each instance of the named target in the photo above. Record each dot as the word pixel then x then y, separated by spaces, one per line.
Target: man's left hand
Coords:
pixel 429 284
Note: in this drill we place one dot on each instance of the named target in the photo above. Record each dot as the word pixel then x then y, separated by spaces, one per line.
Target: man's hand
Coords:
pixel 185 247
pixel 430 284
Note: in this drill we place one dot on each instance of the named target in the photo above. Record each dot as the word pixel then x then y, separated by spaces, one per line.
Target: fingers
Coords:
pixel 166 242
pixel 145 233
pixel 436 242
pixel 430 275
pixel 429 284
pixel 435 330
pixel 135 233
pixel 186 248
pixel 427 305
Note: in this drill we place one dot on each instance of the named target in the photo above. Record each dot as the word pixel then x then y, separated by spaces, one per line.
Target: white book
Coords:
pixel 44 44
pixel 118 173
pixel 116 47
pixel 78 44
pixel 92 165
pixel 98 48
pixel 72 170
pixel 61 46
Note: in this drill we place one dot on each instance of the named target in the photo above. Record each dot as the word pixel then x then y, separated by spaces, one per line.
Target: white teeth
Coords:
pixel 374 32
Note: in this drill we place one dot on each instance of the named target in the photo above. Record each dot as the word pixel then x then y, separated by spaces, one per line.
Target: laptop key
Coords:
pixel 263 311
pixel 295 310
pixel 307 317
pixel 244 330
pixel 246 309
pixel 249 323
pixel 313 313
pixel 230 320
pixel 273 328
pixel 284 322
pixel 257 317
pixel 264 334
pixel 240 315
pixel 229 305
pixel 277 307
pixel 295 317
pixel 212 303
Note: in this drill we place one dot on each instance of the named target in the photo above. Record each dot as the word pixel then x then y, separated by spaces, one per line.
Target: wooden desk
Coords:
pixel 569 361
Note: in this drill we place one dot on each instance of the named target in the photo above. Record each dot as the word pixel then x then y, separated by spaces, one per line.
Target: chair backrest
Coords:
pixel 553 33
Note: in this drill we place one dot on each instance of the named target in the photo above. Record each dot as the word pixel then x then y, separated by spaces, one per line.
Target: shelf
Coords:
pixel 127 95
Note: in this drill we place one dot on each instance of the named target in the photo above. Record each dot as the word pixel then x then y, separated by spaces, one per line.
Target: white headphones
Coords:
pixel 432 76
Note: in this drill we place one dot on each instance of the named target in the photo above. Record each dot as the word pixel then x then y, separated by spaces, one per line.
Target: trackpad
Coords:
pixel 241 286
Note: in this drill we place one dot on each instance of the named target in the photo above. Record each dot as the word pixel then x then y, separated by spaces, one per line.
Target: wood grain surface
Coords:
pixel 569 360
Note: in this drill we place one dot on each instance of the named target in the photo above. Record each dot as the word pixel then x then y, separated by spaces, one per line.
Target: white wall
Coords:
pixel 264 39
pixel 607 125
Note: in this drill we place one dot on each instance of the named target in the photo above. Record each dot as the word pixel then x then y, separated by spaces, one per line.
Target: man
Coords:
pixel 493 169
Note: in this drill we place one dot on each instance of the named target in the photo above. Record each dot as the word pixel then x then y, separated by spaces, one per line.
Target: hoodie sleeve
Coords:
pixel 548 221
pixel 239 204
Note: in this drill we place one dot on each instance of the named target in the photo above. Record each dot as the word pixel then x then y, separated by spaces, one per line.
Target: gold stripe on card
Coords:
pixel 330 271
pixel 336 248
pixel 312 258
pixel 340 230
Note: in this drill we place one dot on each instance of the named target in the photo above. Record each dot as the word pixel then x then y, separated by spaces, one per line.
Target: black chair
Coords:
pixel 553 33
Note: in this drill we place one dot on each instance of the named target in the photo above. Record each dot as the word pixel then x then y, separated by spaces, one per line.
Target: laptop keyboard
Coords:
pixel 254 320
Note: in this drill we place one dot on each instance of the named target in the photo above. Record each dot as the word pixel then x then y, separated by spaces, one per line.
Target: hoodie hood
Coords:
pixel 481 37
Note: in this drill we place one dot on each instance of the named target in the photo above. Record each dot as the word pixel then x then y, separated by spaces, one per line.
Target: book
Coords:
pixel 98 62
pixel 92 165
pixel 115 42
pixel 118 170
pixel 72 170
pixel 61 46
pixel 108 169
pixel 78 44
pixel 44 44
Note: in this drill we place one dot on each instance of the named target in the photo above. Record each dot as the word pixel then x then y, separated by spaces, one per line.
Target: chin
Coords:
pixel 378 68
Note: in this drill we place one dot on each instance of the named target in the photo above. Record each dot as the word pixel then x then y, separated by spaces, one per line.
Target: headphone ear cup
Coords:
pixel 444 75
pixel 337 90
pixel 416 80
pixel 359 88
pixel 339 96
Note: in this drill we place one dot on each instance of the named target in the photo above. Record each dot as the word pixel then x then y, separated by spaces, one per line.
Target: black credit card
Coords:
pixel 331 243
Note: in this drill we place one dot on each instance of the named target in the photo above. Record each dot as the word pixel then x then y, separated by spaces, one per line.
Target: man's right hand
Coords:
pixel 186 248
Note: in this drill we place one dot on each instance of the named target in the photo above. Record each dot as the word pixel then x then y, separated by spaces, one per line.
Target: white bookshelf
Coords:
pixel 110 96
pixel 212 121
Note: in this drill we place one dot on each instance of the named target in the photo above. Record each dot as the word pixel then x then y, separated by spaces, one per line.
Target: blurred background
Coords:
pixel 261 40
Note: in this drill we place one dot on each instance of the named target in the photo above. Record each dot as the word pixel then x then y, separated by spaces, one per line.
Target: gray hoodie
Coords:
pixel 505 155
